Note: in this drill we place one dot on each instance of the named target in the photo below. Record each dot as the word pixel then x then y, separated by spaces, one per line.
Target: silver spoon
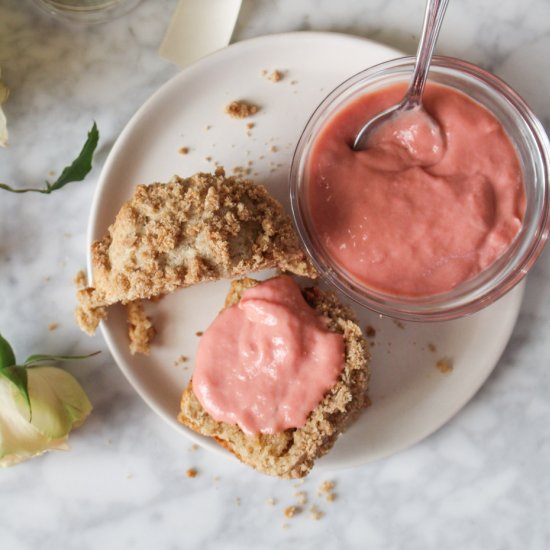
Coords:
pixel 435 10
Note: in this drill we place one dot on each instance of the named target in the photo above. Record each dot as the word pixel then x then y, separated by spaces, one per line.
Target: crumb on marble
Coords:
pixel 301 498
pixel 444 365
pixel 53 326
pixel 199 333
pixel 398 324
pixel 183 150
pixel 241 109
pixel 291 511
pixel 273 148
pixel 326 487
pixel 331 497
pixel 315 513
pixel 271 501
pixel 191 472
pixel 432 347
pixel 285 526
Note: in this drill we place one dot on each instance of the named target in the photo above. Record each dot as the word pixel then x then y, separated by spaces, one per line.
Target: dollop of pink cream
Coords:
pixel 417 212
pixel 266 362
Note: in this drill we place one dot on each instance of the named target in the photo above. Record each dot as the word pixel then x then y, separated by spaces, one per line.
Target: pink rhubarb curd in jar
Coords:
pixel 419 211
pixel 267 362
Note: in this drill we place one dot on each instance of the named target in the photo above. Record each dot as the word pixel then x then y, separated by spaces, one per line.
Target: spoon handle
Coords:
pixel 435 10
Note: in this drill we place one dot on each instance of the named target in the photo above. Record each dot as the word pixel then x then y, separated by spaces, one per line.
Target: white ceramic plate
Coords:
pixel 411 398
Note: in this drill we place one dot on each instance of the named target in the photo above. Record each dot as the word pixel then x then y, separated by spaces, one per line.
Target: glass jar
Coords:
pixel 533 149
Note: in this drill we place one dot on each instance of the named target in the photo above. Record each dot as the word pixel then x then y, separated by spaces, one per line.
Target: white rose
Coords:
pixel 58 404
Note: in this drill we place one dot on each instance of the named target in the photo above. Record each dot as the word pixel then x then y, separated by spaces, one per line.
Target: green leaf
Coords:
pixel 80 167
pixel 15 374
pixel 34 359
pixel 18 377
pixel 77 171
pixel 7 357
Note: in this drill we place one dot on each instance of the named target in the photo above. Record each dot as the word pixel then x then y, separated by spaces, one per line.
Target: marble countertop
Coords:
pixel 482 481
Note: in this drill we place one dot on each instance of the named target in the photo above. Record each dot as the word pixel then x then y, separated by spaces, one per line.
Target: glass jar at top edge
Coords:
pixel 86 11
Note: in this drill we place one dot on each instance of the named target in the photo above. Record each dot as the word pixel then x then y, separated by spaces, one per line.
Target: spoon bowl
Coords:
pixel 410 132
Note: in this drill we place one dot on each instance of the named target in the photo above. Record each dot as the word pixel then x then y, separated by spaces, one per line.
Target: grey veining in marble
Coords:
pixel 481 482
